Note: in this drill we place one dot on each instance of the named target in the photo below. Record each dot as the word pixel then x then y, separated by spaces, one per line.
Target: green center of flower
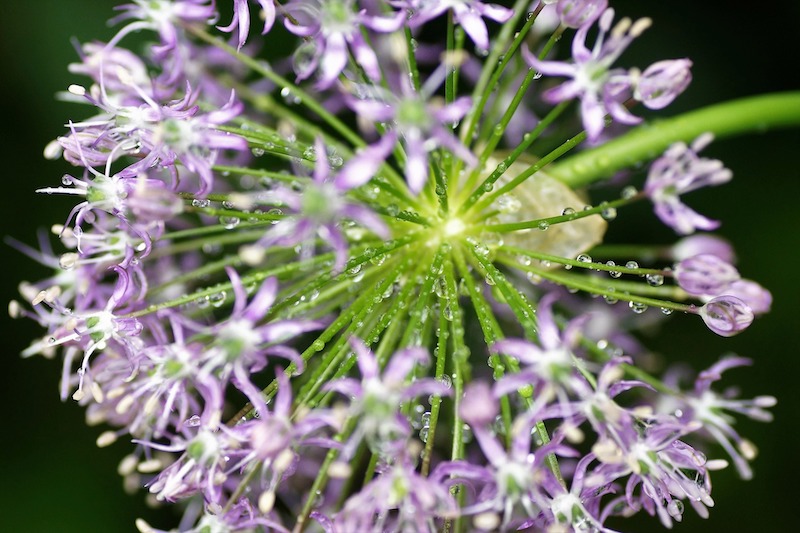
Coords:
pixel 412 113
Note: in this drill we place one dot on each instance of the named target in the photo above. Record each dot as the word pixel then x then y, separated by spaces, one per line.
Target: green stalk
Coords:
pixel 648 141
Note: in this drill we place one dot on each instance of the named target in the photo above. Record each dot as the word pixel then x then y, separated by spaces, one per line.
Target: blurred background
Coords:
pixel 56 479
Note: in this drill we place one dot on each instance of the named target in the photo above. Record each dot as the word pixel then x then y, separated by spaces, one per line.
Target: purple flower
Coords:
pixel 92 331
pixel 662 82
pixel 469 14
pixel 276 438
pixel 509 482
pixel 378 396
pixel 322 205
pixel 331 27
pixel 714 411
pixel 164 135
pixel 600 88
pixel 398 499
pixel 678 171
pixel 241 516
pixel 419 120
pixel 549 367
pixel 667 469
pixel 243 343
pixel 577 13
pixel 207 457
pixel 241 19
pixel 163 16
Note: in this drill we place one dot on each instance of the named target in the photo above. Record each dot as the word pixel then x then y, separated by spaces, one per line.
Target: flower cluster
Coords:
pixel 326 287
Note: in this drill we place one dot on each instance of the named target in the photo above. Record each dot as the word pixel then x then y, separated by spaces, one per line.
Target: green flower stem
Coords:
pixel 207 269
pixel 639 251
pixel 349 320
pixel 210 229
pixel 228 237
pixel 513 298
pixel 491 332
pixel 565 147
pixel 646 142
pixel 505 164
pixel 412 58
pixel 441 359
pixel 322 477
pixel 498 131
pixel 461 371
pixel 526 316
pixel 586 284
pixel 491 75
pixel 580 264
pixel 549 221
pixel 255 276
pixel 412 326
pixel 232 213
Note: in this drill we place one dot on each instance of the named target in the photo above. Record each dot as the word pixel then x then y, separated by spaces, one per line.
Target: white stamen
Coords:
pixel 77 90
pixel 149 466
pixel 266 501
pixel 106 438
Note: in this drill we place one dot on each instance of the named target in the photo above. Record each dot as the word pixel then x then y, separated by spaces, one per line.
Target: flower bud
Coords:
pixel 726 315
pixel 705 274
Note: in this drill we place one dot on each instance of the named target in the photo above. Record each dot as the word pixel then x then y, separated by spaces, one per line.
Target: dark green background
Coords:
pixel 55 479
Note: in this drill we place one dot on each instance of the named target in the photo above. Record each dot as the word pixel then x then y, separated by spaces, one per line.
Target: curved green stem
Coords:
pixel 646 142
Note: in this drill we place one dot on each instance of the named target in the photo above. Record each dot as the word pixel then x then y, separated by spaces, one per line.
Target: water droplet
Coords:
pixel 529 15
pixel 666 310
pixel 629 192
pixel 584 258
pixel 637 307
pixel 543 225
pixel 423 433
pixel 655 280
pixel 613 273
pixel 258 152
pixel 218 299
pixel 481 249
pixel 568 211
pixel 466 434
pixel 201 202
pixel 229 222
pixel 310 154
pixel 609 213
pixel 632 264
pixel 289 97
pixel 193 422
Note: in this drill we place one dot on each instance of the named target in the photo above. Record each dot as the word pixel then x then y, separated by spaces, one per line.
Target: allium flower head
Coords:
pixel 350 277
